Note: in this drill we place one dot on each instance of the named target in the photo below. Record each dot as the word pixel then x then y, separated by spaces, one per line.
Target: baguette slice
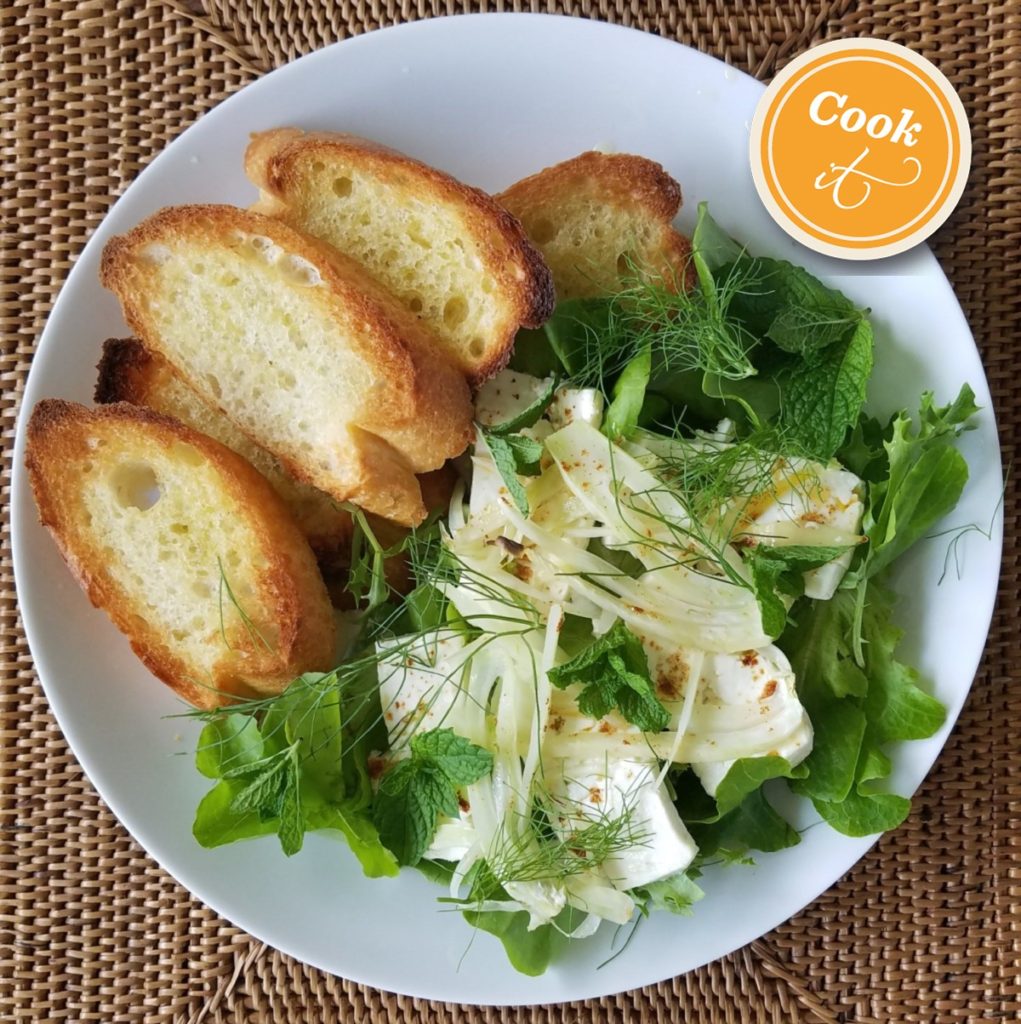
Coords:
pixel 599 218
pixel 449 252
pixel 298 346
pixel 129 372
pixel 184 545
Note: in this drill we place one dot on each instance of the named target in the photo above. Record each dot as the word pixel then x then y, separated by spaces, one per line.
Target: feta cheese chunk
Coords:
pixel 507 395
pixel 811 498
pixel 737 690
pixel 653 840
pixel 419 688
pixel 419 683
pixel 570 404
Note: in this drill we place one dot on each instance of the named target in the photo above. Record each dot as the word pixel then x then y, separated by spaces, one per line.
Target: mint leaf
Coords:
pixel 529 416
pixel 263 787
pixel 460 760
pixel 628 396
pixel 788 306
pixel 414 792
pixel 512 455
pixel 614 673
pixel 779 570
pixel 291 830
pixel 823 395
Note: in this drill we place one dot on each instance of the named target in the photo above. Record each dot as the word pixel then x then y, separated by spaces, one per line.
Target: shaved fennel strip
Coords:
pixel 697 658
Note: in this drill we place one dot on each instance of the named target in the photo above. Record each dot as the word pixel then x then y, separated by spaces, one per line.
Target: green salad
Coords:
pixel 660 585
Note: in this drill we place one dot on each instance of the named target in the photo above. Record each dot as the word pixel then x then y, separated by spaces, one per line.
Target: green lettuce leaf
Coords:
pixel 855 710
pixel 925 479
pixel 287 771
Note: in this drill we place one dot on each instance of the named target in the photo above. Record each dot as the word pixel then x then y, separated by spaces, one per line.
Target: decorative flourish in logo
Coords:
pixel 843 172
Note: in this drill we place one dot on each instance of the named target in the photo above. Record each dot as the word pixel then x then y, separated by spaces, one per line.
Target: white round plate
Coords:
pixel 489 98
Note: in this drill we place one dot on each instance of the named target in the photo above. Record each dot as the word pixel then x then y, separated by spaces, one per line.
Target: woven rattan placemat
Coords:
pixel 927 928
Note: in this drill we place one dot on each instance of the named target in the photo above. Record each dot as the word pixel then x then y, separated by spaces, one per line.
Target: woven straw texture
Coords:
pixel 926 929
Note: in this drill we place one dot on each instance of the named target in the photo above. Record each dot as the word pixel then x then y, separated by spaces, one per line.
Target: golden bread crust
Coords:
pixel 278 162
pixel 418 409
pixel 67 441
pixel 128 372
pixel 639 201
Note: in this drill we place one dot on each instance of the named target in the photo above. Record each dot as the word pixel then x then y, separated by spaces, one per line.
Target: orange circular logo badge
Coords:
pixel 860 148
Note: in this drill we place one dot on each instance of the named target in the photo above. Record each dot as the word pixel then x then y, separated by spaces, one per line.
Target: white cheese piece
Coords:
pixel 507 395
pixel 419 682
pixel 809 497
pixel 737 689
pixel 570 404
pixel 453 839
pixel 605 790
pixel 419 686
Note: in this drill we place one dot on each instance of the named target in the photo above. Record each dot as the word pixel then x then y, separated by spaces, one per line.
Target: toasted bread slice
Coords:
pixel 599 219
pixel 449 252
pixel 184 545
pixel 305 352
pixel 129 372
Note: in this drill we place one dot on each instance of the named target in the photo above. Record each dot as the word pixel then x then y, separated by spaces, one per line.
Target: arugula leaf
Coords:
pixel 677 893
pixel 414 792
pixel 822 396
pixel 925 480
pixel 529 416
pixel 614 673
pixel 628 397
